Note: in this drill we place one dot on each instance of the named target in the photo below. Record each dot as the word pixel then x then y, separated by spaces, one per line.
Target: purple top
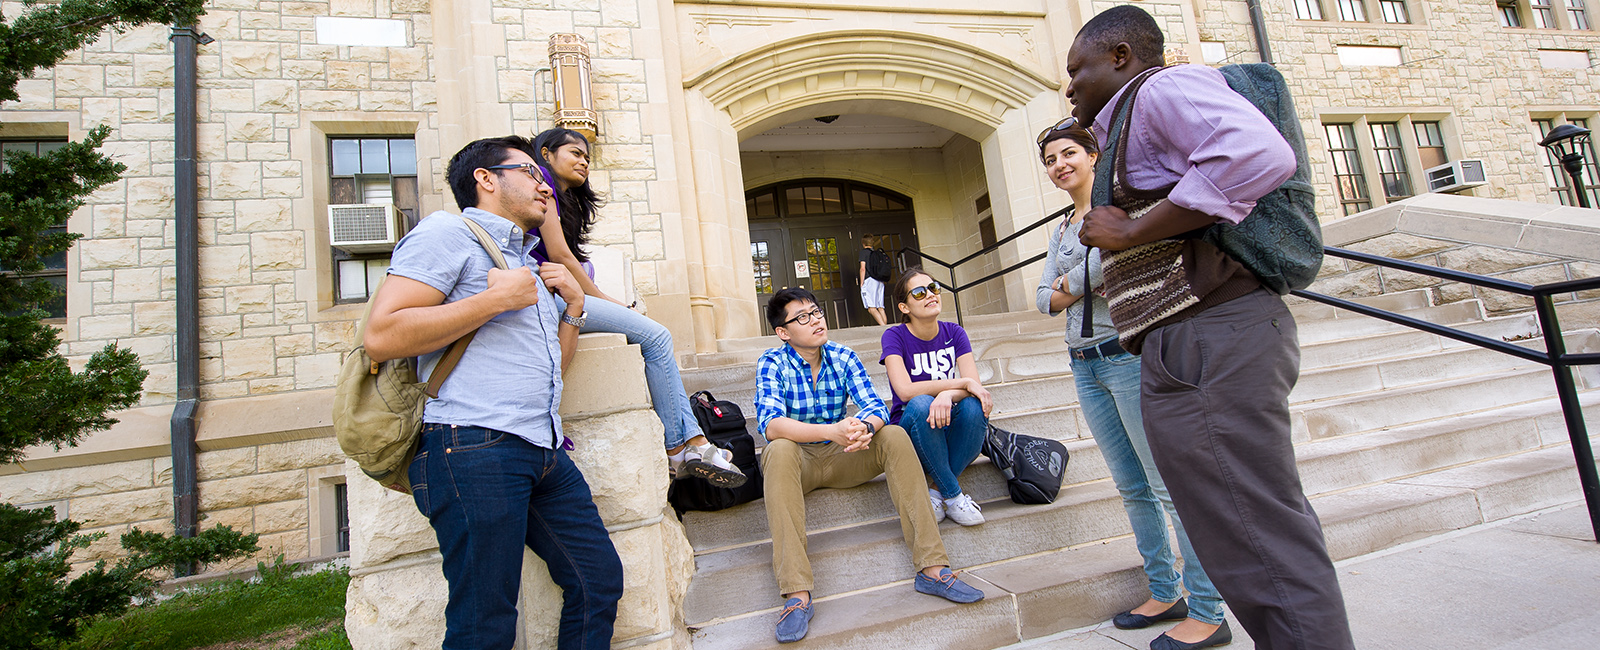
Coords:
pixel 1190 128
pixel 925 360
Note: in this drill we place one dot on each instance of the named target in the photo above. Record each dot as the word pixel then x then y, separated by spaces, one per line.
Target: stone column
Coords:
pixel 397 592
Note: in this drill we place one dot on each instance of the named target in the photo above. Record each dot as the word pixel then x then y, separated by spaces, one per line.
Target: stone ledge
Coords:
pixel 146 432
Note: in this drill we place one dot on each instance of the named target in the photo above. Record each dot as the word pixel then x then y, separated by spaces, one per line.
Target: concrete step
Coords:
pixel 739 580
pixel 827 509
pixel 1420 403
pixel 1074 587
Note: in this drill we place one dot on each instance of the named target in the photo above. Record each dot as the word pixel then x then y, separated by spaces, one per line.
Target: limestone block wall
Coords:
pixel 1485 82
pixel 1522 242
pixel 397 593
pixel 280 490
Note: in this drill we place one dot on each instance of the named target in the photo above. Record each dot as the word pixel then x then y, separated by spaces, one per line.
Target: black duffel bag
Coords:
pixel 723 424
pixel 1032 466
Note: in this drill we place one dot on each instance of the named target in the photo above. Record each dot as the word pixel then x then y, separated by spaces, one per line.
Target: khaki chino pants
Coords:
pixel 791 470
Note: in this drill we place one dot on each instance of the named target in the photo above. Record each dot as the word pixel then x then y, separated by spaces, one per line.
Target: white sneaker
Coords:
pixel 711 463
pixel 963 510
pixel 938 504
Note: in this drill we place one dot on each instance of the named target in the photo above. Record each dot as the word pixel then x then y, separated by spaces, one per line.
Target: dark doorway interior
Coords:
pixel 808 232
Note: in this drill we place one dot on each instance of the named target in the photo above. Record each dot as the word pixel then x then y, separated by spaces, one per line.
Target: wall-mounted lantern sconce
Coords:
pixel 569 61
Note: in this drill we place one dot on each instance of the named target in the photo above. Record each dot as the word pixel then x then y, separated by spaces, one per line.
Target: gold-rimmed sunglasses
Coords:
pixel 1063 125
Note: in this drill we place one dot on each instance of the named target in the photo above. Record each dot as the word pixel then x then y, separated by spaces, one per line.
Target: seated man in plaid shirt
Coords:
pixel 800 394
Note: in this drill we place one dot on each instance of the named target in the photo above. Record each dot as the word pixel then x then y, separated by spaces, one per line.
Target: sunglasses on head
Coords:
pixel 919 293
pixel 1063 125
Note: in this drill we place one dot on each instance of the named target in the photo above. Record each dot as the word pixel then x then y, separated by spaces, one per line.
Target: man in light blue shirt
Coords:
pixel 490 472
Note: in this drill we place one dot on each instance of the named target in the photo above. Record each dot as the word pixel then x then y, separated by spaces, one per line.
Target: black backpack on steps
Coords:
pixel 723 424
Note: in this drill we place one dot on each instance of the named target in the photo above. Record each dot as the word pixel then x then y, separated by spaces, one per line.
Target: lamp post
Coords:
pixel 1567 143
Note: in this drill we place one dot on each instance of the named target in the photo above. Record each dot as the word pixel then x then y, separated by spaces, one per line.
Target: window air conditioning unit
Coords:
pixel 365 227
pixel 1455 176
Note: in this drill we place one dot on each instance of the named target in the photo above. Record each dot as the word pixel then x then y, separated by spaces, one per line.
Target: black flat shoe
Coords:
pixel 1131 621
pixel 1223 636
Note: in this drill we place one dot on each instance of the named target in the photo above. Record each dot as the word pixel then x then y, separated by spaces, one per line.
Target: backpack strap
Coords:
pixel 452 356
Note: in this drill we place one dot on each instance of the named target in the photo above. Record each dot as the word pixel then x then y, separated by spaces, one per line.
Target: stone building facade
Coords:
pixel 700 102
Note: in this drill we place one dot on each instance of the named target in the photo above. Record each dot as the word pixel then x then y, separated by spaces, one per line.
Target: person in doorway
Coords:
pixel 871 284
pixel 938 399
pixel 563 157
pixel 492 440
pixel 801 388
pixel 1107 379
pixel 1220 352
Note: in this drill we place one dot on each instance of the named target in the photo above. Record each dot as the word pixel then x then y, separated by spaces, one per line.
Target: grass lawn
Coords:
pixel 279 613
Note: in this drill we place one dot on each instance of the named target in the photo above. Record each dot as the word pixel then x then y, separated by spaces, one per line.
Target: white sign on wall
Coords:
pixel 366 32
pixel 802 269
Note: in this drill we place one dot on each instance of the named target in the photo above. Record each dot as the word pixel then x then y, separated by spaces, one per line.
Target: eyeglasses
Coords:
pixel 1063 125
pixel 918 293
pixel 805 317
pixel 530 168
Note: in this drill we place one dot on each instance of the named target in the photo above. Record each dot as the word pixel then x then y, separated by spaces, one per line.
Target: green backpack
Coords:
pixel 377 406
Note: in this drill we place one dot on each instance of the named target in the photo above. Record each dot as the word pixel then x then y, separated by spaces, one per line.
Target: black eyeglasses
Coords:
pixel 530 168
pixel 804 318
pixel 1063 125
pixel 918 293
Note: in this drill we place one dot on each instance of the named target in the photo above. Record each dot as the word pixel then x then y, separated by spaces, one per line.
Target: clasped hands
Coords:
pixel 851 432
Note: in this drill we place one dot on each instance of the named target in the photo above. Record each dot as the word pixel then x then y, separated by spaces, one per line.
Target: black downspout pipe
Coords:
pixel 185 501
pixel 1258 24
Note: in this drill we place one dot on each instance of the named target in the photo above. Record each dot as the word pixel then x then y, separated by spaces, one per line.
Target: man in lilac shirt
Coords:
pixel 1220 353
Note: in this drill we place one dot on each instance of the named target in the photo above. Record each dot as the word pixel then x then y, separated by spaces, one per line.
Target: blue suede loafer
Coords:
pixel 794 622
pixel 948 587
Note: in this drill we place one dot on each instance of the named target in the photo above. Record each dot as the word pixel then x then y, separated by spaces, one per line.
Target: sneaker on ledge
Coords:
pixel 962 510
pixel 711 463
pixel 938 504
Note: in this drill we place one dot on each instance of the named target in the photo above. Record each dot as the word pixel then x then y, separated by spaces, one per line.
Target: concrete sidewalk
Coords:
pixel 1525 583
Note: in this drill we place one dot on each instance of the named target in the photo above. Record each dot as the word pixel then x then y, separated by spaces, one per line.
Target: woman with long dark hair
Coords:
pixel 1107 379
pixel 563 156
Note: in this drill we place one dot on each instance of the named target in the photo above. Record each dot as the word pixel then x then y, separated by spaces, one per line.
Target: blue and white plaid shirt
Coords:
pixel 784 387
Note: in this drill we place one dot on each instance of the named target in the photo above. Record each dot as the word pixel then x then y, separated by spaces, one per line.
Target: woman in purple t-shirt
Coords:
pixel 937 397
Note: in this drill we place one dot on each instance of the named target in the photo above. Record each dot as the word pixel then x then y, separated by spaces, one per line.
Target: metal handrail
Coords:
pixel 1554 355
pixel 950 267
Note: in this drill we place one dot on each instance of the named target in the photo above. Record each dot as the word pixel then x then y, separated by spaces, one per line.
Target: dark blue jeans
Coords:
pixel 488 493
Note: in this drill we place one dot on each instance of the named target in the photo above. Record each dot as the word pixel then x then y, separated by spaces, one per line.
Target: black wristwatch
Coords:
pixel 871 428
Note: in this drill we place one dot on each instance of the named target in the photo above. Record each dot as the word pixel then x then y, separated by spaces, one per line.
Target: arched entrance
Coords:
pixel 988 104
pixel 807 233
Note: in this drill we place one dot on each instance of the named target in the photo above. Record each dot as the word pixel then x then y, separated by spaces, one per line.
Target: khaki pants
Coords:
pixel 791 470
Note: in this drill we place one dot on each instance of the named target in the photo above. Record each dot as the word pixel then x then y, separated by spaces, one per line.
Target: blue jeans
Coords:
pixel 1108 391
pixel 488 493
pixel 660 365
pixel 946 451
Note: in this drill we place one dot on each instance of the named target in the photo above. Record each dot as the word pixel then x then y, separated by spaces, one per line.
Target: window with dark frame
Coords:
pixel 1544 14
pixel 1556 175
pixel 1510 15
pixel 1347 173
pixel 1430 144
pixel 341 510
pixel 369 170
pixel 1392 172
pixel 55 266
pixel 1577 17
pixel 1394 11
pixel 1352 11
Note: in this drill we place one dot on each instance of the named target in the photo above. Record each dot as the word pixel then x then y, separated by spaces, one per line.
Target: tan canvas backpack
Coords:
pixel 377 407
